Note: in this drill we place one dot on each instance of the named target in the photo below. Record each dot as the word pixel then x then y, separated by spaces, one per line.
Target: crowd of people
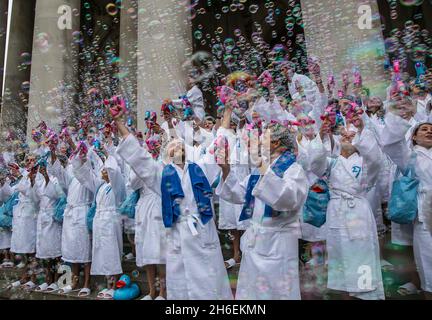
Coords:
pixel 311 163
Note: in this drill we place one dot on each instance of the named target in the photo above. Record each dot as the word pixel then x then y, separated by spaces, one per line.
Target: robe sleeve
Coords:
pixel 134 182
pixel 283 194
pixel 232 189
pixel 393 140
pixel 317 157
pixel 61 174
pixel 116 180
pixel 318 109
pixel 369 149
pixel 85 174
pixel 141 162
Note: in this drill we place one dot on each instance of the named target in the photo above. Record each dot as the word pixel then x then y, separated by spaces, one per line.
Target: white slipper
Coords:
pixel 147 297
pixel 52 287
pixel 66 289
pixel 21 265
pixel 407 289
pixel 84 292
pixel 15 284
pixel 7 264
pixel 109 294
pixel 230 263
pixel 42 287
pixel 29 285
pixel 160 298
pixel 101 294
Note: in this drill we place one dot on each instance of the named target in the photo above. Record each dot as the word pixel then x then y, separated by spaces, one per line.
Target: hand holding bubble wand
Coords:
pixel 398 87
pixel 42 127
pixel 150 119
pixel 353 115
pixel 228 95
pixel 221 150
pixel 81 150
pixel 116 105
pixel 345 82
pixel 358 82
pixel 52 140
pixel 331 84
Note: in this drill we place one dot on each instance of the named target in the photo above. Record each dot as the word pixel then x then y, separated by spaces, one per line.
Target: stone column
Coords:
pixel 332 33
pixel 164 44
pixel 55 62
pixel 3 30
pixel 15 99
pixel 128 52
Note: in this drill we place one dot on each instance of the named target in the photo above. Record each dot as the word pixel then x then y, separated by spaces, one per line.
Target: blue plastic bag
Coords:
pixel 403 204
pixel 5 220
pixel 59 209
pixel 127 208
pixel 10 203
pixel 6 211
pixel 315 207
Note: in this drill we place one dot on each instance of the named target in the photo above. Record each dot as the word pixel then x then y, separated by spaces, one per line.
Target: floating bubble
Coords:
pixel 156 30
pixel 25 86
pixel 111 9
pixel 42 42
pixel 26 58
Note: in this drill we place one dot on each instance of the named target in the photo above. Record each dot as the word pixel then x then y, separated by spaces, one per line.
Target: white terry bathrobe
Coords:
pixel 229 212
pixel 24 217
pixel 309 232
pixel 396 146
pixel 269 269
pixel 195 267
pixel 5 234
pixel 378 193
pixel 49 231
pixel 107 227
pixel 352 241
pixel 76 241
pixel 150 233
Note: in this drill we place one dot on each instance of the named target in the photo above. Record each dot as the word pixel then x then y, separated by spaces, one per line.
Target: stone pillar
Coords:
pixel 15 99
pixel 3 30
pixel 332 33
pixel 128 52
pixel 164 44
pixel 54 63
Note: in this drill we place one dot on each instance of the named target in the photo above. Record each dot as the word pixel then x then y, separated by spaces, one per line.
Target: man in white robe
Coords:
pixel 270 264
pixel 195 268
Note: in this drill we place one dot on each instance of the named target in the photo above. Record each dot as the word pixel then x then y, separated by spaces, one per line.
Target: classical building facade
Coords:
pixel 58 56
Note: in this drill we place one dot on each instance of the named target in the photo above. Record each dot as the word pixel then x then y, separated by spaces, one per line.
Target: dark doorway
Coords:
pixel 240 35
pixel 407 30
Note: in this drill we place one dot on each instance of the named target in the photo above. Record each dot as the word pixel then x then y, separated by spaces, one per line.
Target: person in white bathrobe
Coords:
pixel 23 239
pixel 110 191
pixel 396 146
pixel 194 264
pixel 269 269
pixel 48 231
pixel 352 241
pixel 229 212
pixel 150 233
pixel 76 241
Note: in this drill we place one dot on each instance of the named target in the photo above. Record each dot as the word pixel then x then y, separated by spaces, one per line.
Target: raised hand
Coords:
pixel 325 128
